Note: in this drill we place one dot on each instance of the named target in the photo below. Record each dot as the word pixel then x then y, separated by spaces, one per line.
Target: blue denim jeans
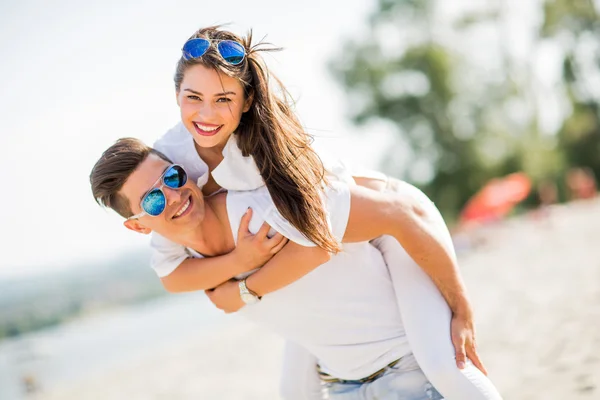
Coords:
pixel 403 381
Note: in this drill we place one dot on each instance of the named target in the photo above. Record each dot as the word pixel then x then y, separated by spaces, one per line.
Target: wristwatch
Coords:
pixel 247 295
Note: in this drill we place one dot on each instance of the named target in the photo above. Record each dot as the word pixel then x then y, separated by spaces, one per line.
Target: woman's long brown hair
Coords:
pixel 272 134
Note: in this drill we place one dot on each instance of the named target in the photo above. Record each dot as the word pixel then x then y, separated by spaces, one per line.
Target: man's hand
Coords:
pixel 253 251
pixel 463 339
pixel 226 297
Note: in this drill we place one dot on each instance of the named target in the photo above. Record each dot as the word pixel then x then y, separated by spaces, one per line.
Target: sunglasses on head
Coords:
pixel 154 201
pixel 232 52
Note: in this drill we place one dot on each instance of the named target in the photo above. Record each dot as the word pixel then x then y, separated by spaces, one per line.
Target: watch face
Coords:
pixel 249 299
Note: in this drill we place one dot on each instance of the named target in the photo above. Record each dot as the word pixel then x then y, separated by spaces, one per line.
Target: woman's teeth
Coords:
pixel 206 128
pixel 183 208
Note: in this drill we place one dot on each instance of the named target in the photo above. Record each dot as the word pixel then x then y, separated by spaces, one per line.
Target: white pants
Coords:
pixel 426 318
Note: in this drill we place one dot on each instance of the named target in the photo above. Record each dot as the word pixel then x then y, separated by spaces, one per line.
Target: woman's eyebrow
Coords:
pixel 200 93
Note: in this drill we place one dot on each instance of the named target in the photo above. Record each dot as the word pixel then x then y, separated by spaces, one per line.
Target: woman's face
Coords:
pixel 211 105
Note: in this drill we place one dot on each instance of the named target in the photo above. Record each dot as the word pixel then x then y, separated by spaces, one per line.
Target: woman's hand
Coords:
pixel 226 297
pixel 253 251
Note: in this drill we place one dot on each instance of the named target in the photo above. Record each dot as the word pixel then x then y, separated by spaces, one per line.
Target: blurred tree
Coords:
pixel 468 105
pixel 575 24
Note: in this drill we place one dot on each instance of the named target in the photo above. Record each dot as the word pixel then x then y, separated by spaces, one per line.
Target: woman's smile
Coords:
pixel 207 129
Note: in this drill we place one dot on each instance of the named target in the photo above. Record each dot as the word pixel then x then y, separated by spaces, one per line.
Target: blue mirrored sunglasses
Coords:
pixel 154 201
pixel 232 52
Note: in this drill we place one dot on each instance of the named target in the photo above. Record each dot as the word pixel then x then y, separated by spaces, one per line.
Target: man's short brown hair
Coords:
pixel 113 169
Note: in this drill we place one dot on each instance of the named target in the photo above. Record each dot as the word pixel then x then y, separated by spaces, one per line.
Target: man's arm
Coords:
pixel 405 213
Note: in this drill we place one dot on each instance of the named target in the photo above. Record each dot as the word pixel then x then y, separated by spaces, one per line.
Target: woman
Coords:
pixel 223 87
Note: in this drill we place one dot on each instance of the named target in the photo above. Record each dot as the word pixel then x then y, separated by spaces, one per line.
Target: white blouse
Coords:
pixel 239 173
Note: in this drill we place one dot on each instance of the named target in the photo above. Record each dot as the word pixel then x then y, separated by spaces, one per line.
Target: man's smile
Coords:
pixel 184 209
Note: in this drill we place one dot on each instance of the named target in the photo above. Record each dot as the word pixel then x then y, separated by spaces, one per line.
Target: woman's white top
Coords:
pixel 234 173
pixel 345 311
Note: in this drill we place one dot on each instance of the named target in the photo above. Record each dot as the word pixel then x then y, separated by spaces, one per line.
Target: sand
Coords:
pixel 535 284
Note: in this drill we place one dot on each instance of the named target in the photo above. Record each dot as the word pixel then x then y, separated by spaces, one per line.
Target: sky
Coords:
pixel 75 76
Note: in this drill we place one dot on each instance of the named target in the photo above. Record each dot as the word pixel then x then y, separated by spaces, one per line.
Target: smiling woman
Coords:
pixel 213 114
pixel 219 98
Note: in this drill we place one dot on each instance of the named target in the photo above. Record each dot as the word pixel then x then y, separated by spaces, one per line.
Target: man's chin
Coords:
pixel 191 219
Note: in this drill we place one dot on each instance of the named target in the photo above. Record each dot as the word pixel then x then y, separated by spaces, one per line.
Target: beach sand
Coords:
pixel 536 290
pixel 241 361
pixel 535 285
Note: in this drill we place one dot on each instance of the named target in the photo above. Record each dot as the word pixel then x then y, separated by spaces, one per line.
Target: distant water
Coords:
pixel 92 345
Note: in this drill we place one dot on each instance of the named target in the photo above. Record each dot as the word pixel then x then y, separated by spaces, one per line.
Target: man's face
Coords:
pixel 184 210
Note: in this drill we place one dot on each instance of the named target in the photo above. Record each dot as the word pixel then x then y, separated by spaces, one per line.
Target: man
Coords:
pixel 345 312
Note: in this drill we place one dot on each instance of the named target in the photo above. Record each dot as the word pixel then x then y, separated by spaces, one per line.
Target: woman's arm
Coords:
pixel 402 214
pixel 373 213
pixel 252 251
pixel 290 264
pixel 202 273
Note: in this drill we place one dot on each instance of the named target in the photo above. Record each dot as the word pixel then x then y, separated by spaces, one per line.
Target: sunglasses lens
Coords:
pixel 154 203
pixel 175 177
pixel 195 48
pixel 231 51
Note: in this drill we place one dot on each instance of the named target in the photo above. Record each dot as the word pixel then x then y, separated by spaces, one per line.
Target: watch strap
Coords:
pixel 245 291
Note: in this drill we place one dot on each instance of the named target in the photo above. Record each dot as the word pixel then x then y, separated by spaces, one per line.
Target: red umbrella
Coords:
pixel 496 198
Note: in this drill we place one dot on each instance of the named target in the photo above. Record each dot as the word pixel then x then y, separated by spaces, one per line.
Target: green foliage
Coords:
pixel 463 124
pixel 574 16
pixel 580 133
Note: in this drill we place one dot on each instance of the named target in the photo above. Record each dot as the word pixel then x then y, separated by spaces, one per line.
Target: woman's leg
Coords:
pixel 426 317
pixel 299 378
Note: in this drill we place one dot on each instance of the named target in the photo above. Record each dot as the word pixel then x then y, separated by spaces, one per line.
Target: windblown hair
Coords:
pixel 114 167
pixel 272 134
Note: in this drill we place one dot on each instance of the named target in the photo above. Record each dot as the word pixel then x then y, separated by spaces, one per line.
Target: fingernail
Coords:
pixel 461 365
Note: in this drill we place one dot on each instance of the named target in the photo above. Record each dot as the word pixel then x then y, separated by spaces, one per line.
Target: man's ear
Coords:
pixel 135 226
pixel 248 102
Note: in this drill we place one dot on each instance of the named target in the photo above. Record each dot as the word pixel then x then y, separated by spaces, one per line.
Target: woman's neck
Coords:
pixel 212 156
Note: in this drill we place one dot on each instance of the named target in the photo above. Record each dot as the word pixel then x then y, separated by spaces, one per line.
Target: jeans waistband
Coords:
pixel 325 377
